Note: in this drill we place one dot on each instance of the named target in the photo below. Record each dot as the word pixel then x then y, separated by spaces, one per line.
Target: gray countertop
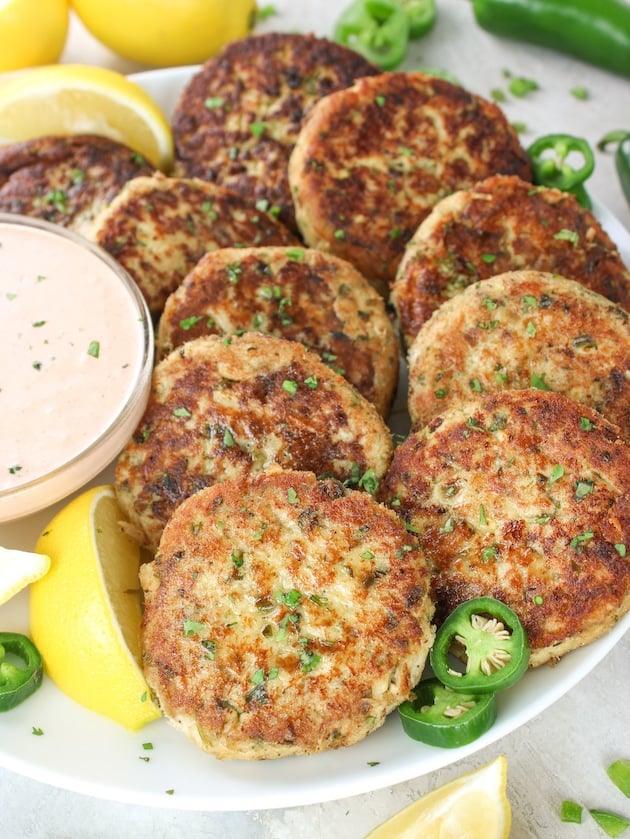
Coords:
pixel 564 751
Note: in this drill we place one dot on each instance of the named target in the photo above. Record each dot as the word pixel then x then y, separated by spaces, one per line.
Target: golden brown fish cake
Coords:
pixel 237 120
pixel 224 407
pixel 283 616
pixel 518 330
pixel 372 160
pixel 523 496
pixel 159 228
pixel 66 180
pixel 295 293
pixel 503 224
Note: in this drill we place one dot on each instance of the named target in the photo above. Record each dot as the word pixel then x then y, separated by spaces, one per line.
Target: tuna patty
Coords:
pixel 371 161
pixel 503 224
pixel 295 293
pixel 238 118
pixel 523 496
pixel 224 407
pixel 519 330
pixel 283 615
pixel 66 180
pixel 159 228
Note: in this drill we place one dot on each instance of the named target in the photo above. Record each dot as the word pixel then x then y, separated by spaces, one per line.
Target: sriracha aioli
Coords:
pixel 74 347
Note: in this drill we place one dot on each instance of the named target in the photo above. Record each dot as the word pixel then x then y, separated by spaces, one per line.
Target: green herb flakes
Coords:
pixel 520 87
pixel 380 100
pixel 38 732
pixel 213 102
pixel 621 549
pixel 290 386
pixel 292 496
pixel 258 128
pixel 309 660
pixel 582 539
pixel 571 811
pixel 188 323
pixel 582 489
pixel 311 381
pixel 234 271
pixel 619 774
pixel 567 236
pixel 296 254
pixel 538 381
pixel 556 473
pixel 488 258
pixel 586 424
pixel 579 92
pixel 182 412
pixel 94 349
pixel 612 824
pixel 191 627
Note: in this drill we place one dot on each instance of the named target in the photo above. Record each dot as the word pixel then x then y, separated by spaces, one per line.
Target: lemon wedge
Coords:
pixel 86 612
pixel 18 569
pixel 79 99
pixel 473 806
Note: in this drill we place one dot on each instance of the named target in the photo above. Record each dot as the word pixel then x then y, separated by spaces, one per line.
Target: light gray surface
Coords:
pixel 562 753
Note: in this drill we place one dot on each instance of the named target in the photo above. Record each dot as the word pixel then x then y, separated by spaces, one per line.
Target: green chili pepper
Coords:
pixel 555 170
pixel 494 641
pixel 622 157
pixel 421 15
pixel 378 29
pixel 595 31
pixel 440 716
pixel 18 683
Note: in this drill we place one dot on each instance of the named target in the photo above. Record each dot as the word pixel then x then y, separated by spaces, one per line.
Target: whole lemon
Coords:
pixel 32 32
pixel 166 33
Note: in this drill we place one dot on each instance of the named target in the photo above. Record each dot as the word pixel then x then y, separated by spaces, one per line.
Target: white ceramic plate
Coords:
pixel 81 751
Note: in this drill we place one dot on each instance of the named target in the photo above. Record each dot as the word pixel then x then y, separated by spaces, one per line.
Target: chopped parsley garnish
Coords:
pixel 188 323
pixel 568 236
pixel 94 349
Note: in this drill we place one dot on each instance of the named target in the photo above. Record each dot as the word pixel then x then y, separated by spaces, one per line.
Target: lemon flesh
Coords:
pixel 86 611
pixel 162 33
pixel 32 32
pixel 18 569
pixel 79 99
pixel 474 806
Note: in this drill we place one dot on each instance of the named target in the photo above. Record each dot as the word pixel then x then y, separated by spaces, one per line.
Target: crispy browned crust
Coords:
pixel 222 408
pixel 283 615
pixel 503 224
pixel 371 161
pixel 523 496
pixel 518 330
pixel 237 120
pixel 295 293
pixel 66 180
pixel 158 228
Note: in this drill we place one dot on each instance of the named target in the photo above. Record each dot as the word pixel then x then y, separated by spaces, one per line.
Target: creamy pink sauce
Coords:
pixel 72 350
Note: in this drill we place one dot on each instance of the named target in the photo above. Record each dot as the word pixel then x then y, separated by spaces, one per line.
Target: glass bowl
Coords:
pixel 75 362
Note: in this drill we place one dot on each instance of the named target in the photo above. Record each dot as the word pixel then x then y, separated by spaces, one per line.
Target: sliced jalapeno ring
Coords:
pixel 620 138
pixel 377 29
pixel 421 15
pixel 493 640
pixel 440 716
pixel 554 170
pixel 18 683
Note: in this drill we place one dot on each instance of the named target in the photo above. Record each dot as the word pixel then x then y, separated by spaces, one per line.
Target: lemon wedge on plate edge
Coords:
pixel 64 99
pixel 85 613
pixel 18 569
pixel 473 806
